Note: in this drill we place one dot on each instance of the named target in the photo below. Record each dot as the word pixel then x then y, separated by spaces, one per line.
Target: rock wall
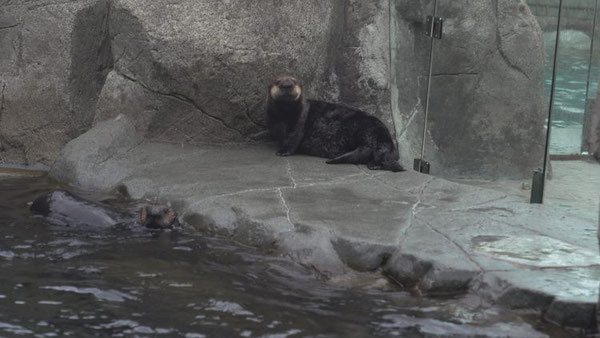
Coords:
pixel 487 104
pixel 53 60
pixel 195 71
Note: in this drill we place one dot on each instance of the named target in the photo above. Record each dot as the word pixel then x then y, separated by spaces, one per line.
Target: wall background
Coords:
pixel 193 71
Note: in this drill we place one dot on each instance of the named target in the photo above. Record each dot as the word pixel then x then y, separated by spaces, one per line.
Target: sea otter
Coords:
pixel 341 133
pixel 62 208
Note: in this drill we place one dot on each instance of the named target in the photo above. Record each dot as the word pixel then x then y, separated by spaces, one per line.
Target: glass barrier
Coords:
pixel 573 175
pixel 485 119
pixel 471 89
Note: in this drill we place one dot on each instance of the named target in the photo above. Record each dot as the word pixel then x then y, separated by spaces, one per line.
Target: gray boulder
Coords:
pixel 197 71
pixel 82 160
pixel 54 57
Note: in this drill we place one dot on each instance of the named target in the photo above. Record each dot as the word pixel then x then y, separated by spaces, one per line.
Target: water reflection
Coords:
pixel 65 283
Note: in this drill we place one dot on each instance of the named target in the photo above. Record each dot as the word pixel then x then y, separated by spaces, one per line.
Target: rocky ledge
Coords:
pixel 424 232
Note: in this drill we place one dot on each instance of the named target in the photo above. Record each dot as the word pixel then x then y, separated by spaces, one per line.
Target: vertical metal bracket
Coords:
pixel 537 187
pixel 434 27
pixel 421 166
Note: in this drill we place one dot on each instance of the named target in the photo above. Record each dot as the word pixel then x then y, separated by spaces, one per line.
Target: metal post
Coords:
pixel 589 80
pixel 540 190
pixel 420 164
pixel 392 69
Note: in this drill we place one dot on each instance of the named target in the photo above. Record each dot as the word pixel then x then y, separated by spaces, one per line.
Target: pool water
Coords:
pixel 571 88
pixel 60 282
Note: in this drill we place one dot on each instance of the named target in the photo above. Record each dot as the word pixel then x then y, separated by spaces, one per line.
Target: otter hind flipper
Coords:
pixel 391 166
pixel 359 155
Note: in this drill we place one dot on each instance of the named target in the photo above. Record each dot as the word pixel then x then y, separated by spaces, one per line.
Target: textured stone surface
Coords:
pixel 426 233
pixel 53 60
pixel 77 164
pixel 190 71
pixel 487 75
pixel 196 72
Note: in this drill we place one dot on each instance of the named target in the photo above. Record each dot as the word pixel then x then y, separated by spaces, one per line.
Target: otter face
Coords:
pixel 158 217
pixel 285 88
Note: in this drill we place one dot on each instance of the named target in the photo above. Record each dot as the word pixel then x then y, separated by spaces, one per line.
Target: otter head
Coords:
pixel 158 217
pixel 285 89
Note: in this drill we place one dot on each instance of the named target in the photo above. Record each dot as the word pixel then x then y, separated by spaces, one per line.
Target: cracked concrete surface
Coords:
pixel 426 233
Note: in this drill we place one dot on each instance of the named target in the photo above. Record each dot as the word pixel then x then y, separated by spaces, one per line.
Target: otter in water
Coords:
pixel 335 131
pixel 62 208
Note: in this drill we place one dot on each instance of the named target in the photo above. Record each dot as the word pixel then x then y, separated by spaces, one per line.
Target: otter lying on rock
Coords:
pixel 62 208
pixel 335 131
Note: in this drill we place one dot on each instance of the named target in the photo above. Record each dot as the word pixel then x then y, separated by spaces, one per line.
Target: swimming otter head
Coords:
pixel 285 89
pixel 158 217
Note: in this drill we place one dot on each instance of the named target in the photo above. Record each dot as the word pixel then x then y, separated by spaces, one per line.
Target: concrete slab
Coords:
pixel 427 233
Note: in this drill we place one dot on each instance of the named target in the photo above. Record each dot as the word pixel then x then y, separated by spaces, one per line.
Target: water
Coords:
pixel 571 87
pixel 64 283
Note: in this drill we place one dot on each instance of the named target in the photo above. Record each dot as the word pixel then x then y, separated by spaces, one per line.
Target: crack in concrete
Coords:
pixel 184 99
pixel 414 210
pixel 465 252
pixel 480 204
pixel 290 175
pixel 277 188
pixel 287 208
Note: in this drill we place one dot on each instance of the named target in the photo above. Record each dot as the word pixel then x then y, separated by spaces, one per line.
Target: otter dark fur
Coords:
pixel 335 131
pixel 62 208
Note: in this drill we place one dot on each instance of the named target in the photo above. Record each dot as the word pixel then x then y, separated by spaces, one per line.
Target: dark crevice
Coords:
pixel 8 27
pixel 92 59
pixel 2 99
pixel 184 99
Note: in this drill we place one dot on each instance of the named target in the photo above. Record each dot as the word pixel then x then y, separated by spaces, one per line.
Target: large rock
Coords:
pixel 53 60
pixel 198 71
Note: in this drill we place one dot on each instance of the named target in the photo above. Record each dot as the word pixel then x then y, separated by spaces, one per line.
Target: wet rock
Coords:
pixel 361 255
pixel 85 159
pixel 407 269
pixel 571 314
pixel 518 298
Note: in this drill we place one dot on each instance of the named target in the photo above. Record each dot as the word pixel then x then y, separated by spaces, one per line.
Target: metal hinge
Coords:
pixel 434 27
pixel 421 166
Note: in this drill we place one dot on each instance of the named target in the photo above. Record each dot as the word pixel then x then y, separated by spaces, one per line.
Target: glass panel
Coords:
pixel 488 105
pixel 572 76
pixel 409 52
pixel 574 176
